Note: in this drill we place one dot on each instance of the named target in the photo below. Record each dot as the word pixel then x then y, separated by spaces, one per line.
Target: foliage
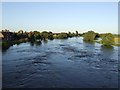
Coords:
pixel 76 33
pixel 31 37
pixel 35 36
pixel 69 34
pixel 107 39
pixel 63 35
pixel 56 36
pixel 6 45
pixel 89 36
pixel 44 35
pixel 50 35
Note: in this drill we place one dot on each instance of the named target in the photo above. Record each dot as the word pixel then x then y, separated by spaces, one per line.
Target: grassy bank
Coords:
pixel 117 41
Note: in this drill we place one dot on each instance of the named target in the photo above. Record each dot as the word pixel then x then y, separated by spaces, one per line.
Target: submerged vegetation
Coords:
pixel 11 38
pixel 107 39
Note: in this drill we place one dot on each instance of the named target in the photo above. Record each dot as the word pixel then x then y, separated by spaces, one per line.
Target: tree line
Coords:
pixel 34 36
pixel 11 38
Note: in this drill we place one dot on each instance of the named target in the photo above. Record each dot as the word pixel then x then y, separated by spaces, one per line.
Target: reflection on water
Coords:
pixel 45 40
pixel 37 43
pixel 106 47
pixel 107 50
pixel 69 63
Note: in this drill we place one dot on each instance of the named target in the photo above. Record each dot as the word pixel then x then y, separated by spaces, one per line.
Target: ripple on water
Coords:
pixel 60 63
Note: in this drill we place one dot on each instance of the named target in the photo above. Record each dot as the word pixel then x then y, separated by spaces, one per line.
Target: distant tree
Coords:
pixel 31 36
pixel 20 32
pixel 36 32
pixel 37 36
pixel 97 35
pixel 70 34
pixel 76 33
pixel 107 39
pixel 44 35
pixel 89 36
pixel 15 35
pixel 56 36
pixel 63 35
pixel 50 35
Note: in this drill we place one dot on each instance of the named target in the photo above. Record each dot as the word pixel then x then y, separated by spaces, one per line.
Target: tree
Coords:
pixel 20 32
pixel 31 36
pixel 76 33
pixel 44 35
pixel 70 34
pixel 50 35
pixel 89 36
pixel 107 39
pixel 37 36
pixel 63 35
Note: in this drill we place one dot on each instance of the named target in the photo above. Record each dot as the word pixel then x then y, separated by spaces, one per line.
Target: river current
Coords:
pixel 65 63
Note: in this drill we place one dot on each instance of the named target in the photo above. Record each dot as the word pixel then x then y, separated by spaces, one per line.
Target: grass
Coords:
pixel 117 39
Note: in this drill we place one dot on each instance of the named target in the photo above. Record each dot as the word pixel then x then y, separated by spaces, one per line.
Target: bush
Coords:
pixel 63 35
pixel 44 35
pixel 89 36
pixel 107 39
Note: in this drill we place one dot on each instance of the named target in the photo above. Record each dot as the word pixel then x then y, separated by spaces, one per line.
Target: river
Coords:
pixel 65 63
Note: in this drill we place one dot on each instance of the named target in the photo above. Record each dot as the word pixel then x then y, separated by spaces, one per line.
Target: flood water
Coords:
pixel 66 63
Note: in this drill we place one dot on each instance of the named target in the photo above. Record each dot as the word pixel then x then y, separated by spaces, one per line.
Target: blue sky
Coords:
pixel 60 16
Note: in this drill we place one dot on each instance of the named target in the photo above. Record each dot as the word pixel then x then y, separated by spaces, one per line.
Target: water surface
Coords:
pixel 67 63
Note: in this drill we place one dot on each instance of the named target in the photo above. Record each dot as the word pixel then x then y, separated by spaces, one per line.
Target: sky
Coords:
pixel 100 17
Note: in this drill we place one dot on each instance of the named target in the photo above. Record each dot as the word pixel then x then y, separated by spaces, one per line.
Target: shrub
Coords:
pixel 89 36
pixel 63 35
pixel 107 39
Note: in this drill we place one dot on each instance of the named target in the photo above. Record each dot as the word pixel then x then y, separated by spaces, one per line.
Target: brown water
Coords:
pixel 69 63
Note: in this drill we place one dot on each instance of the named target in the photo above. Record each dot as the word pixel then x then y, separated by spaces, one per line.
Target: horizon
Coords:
pixel 100 17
